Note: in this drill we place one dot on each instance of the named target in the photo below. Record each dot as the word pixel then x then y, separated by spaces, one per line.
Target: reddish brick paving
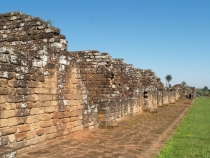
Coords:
pixel 143 135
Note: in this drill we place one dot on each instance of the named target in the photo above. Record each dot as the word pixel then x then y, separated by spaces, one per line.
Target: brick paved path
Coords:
pixel 143 135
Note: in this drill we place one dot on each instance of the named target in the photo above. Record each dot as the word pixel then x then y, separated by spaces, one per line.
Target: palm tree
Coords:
pixel 168 79
pixel 184 83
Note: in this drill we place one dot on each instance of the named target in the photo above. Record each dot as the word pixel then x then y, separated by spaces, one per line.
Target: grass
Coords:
pixel 192 138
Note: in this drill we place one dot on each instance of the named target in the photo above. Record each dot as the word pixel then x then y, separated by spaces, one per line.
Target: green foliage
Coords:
pixel 50 22
pixel 205 88
pixel 193 136
pixel 168 78
pixel 184 83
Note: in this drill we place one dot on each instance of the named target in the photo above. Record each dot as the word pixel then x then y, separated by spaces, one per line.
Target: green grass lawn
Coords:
pixel 192 138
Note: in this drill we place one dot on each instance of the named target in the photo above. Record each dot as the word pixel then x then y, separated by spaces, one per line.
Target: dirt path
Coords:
pixel 139 136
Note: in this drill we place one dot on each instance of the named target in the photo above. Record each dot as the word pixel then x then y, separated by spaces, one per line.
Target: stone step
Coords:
pixel 7 152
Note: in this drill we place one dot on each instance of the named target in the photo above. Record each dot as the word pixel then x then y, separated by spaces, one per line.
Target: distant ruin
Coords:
pixel 47 92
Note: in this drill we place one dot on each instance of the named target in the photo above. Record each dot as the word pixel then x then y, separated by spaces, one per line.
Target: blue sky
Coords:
pixel 167 36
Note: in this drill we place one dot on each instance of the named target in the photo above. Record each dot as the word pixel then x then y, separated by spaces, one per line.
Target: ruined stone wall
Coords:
pixel 42 94
pixel 47 92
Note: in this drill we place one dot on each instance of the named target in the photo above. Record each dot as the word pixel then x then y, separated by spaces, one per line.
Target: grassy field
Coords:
pixel 192 138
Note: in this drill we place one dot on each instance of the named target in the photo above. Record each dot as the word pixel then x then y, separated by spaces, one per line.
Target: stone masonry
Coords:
pixel 47 92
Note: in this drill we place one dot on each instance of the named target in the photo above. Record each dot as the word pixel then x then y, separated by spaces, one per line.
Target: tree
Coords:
pixel 205 88
pixel 184 83
pixel 168 79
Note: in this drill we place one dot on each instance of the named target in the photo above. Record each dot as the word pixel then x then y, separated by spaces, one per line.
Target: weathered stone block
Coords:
pixel 57 115
pixel 23 128
pixel 31 134
pixel 20 136
pixel 3 82
pixel 32 119
pixel 7 75
pixel 44 124
pixel 45 97
pixel 51 136
pixel 76 113
pixel 42 90
pixel 13 121
pixel 3 122
pixel 2 99
pixel 25 91
pixel 34 84
pixel 32 98
pixel 20 144
pixel 49 109
pixel 45 117
pixel 11 138
pixel 40 132
pixel 23 112
pixel 78 123
pixel 49 130
pixel 8 130
pixel 15 99
pixel 35 126
pixel 7 114
pixel 69 125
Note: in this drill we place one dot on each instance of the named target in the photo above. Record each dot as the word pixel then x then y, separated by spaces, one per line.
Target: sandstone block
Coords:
pixel 45 117
pixel 2 99
pixel 3 122
pixel 13 121
pixel 79 128
pixel 32 98
pixel 65 120
pixel 35 126
pixel 76 113
pixel 11 138
pixel 25 91
pixel 36 140
pixel 45 97
pixel 51 136
pixel 52 129
pixel 8 130
pixel 77 123
pixel 33 84
pixel 56 122
pixel 57 115
pixel 52 85
pixel 7 114
pixel 42 90
pixel 44 124
pixel 35 111
pixel 3 91
pixel 32 119
pixel 69 125
pixel 74 81
pixel 74 118
pixel 3 82
pixel 31 134
pixel 40 132
pixel 49 109
pixel 20 136
pixel 7 106
pixel 23 112
pixel 23 128
pixel 20 144
pixel 53 91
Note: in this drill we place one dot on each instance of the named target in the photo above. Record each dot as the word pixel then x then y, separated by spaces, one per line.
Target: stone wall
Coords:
pixel 47 92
